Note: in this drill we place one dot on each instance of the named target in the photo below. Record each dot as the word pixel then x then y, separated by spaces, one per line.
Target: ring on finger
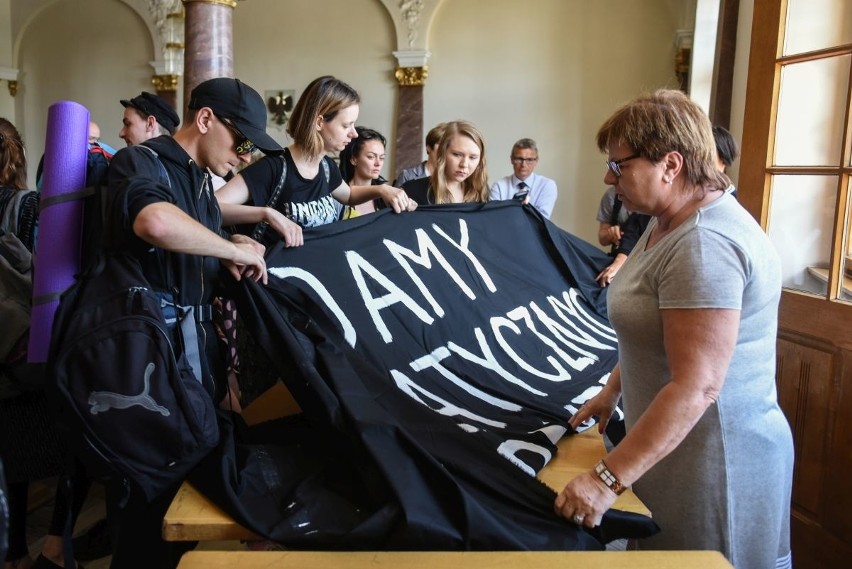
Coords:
pixel 578 519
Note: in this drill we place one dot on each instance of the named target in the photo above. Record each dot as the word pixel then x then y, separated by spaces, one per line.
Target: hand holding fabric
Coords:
pixel 584 500
pixel 397 199
pixel 247 261
pixel 601 405
pixel 290 231
pixel 605 277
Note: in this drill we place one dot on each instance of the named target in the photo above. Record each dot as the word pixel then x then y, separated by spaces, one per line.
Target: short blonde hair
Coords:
pixel 665 121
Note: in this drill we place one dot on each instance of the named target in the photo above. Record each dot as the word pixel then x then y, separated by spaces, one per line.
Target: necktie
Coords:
pixel 522 185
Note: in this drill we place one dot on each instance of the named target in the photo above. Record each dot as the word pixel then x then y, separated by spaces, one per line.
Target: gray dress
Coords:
pixel 727 486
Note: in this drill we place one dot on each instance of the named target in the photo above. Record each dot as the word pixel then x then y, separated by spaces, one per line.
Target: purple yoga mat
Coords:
pixel 57 257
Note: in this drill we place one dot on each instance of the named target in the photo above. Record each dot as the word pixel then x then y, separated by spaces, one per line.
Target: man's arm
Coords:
pixel 166 226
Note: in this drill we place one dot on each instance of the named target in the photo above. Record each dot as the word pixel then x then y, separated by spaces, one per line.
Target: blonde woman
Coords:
pixel 460 175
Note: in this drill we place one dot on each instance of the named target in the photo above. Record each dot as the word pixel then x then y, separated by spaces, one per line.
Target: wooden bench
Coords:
pixel 450 560
pixel 192 517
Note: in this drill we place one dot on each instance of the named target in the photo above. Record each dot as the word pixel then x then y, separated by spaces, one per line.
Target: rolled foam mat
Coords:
pixel 57 257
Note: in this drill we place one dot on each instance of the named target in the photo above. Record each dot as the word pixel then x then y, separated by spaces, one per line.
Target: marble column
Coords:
pixel 208 35
pixel 409 120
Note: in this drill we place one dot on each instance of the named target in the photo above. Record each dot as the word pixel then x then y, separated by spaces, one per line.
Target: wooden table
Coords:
pixel 192 517
pixel 466 559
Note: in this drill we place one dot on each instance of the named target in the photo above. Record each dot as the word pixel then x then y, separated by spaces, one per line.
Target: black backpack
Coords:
pixel 127 405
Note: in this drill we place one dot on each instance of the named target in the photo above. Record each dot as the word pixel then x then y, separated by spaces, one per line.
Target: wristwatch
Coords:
pixel 608 478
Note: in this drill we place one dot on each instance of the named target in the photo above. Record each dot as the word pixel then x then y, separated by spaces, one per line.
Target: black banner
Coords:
pixel 426 349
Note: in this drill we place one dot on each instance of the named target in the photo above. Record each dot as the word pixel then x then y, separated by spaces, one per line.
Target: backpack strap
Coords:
pixel 616 209
pixel 613 220
pixel 46 202
pixel 184 316
pixel 326 169
pixel 261 227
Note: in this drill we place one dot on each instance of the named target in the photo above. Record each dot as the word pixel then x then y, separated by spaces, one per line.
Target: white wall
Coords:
pixel 94 53
pixel 549 69
pixel 286 45
pixel 552 70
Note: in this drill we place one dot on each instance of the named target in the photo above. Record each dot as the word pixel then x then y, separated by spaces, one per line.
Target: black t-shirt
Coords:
pixel 420 190
pixel 632 230
pixel 306 202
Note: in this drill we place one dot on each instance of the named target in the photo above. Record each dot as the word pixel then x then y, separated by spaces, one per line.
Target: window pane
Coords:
pixel 817 24
pixel 810 112
pixel 801 217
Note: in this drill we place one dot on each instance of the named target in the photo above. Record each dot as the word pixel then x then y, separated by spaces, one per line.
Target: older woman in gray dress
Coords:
pixel 695 308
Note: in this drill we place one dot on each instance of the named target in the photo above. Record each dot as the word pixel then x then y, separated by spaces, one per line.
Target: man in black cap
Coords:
pixel 147 116
pixel 174 228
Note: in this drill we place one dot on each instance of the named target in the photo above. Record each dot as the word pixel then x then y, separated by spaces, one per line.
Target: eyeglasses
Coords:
pixel 615 165
pixel 241 143
pixel 520 160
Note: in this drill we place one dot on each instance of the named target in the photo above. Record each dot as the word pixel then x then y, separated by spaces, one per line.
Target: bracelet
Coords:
pixel 608 478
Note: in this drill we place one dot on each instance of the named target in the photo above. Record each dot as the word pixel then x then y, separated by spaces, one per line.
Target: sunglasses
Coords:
pixel 241 142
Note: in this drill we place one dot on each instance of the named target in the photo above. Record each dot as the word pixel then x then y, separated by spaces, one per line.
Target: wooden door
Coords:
pixel 795 179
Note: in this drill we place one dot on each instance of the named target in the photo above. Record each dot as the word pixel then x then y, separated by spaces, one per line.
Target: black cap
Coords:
pixel 150 104
pixel 234 100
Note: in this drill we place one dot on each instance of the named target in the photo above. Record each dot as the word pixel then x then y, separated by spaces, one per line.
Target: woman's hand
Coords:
pixel 290 231
pixel 601 406
pixel 613 235
pixel 584 500
pixel 605 277
pixel 396 199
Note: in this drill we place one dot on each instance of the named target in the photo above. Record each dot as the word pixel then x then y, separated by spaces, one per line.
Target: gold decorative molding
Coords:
pixel 682 62
pixel 412 76
pixel 165 82
pixel 13 88
pixel 229 3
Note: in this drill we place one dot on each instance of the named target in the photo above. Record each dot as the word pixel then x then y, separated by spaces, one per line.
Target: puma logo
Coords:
pixel 101 401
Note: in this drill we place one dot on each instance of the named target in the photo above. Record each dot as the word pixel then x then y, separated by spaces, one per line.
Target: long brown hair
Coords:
pixel 475 186
pixel 325 96
pixel 13 160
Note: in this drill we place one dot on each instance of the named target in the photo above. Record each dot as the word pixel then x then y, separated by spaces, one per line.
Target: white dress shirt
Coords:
pixel 542 191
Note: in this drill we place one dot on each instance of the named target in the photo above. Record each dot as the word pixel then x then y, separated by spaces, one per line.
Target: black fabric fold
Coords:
pixel 391 452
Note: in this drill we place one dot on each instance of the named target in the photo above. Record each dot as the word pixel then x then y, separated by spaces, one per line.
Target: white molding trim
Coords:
pixel 9 73
pixel 684 39
pixel 412 57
